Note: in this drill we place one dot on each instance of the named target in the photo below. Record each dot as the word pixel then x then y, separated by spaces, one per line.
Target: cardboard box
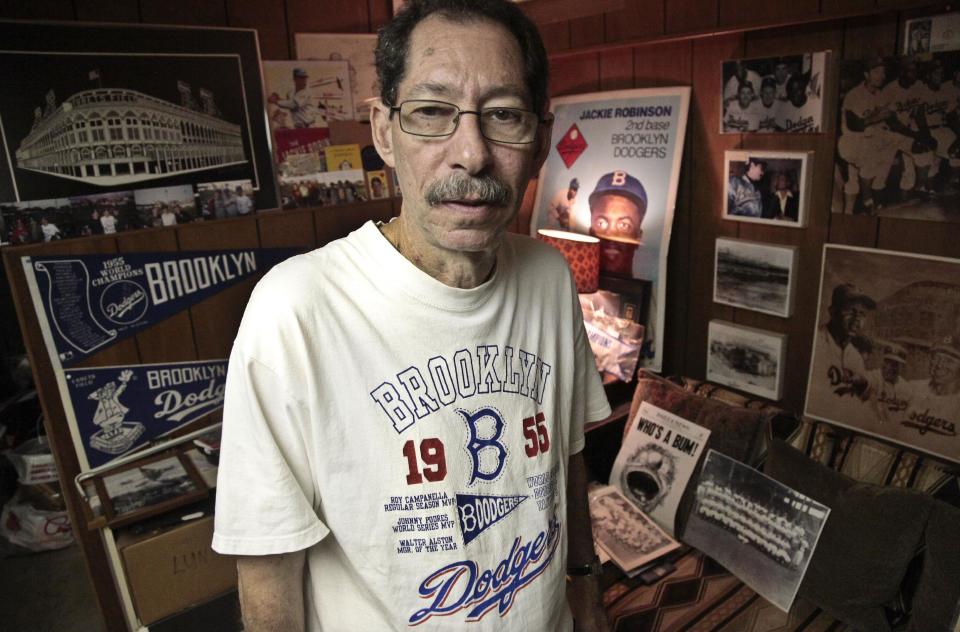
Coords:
pixel 175 569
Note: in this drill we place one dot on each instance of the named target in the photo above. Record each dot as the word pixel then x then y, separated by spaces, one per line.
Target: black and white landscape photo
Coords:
pixel 745 358
pixel 759 529
pixel 140 487
pixel 755 276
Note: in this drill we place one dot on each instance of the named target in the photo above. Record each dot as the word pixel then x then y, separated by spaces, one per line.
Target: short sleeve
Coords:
pixel 590 400
pixel 265 490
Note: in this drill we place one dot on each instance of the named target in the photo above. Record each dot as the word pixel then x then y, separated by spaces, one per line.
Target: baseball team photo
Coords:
pixel 773 95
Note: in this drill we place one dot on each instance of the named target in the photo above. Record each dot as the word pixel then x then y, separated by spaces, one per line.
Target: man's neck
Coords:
pixel 464 270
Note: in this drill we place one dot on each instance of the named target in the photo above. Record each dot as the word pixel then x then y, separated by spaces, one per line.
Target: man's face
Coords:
pixel 767 95
pixel 616 217
pixel 944 368
pixel 890 370
pixel 299 83
pixel 474 65
pixel 616 257
pixel 936 78
pixel 745 95
pixel 796 92
pixel 781 72
pixel 876 76
pixel 755 171
pixel 852 318
pixel 908 75
pixel 783 183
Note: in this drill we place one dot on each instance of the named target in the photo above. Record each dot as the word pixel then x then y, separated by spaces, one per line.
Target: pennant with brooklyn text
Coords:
pixel 117 409
pixel 88 302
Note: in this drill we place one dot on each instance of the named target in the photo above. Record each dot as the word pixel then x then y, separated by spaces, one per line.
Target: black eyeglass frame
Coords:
pixel 541 120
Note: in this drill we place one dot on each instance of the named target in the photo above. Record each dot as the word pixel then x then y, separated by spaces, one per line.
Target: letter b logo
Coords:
pixel 487 453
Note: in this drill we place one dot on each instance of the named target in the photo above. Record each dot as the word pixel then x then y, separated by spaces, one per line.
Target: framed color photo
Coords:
pixel 767 187
pixel 130 107
pixel 357 49
pixel 886 350
pixel 755 276
pixel 746 359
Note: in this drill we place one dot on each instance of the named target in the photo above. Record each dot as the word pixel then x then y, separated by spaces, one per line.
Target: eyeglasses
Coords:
pixel 438 118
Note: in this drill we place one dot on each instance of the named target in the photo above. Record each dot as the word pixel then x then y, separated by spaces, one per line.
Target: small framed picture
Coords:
pixel 755 276
pixel 145 488
pixel 746 359
pixel 767 187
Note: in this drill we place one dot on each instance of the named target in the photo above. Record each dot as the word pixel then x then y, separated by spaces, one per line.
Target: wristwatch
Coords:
pixel 594 567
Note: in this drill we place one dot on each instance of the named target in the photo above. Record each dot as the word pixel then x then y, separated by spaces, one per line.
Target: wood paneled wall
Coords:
pixel 204 331
pixel 695 61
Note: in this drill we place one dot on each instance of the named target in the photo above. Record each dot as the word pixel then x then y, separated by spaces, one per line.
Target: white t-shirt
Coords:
pixel 864 104
pixel 109 223
pixel 413 437
pixel 768 116
pixel 904 101
pixel 738 119
pixel 939 104
pixel 797 120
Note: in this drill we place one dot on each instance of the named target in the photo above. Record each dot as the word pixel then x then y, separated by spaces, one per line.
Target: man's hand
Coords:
pixel 586 604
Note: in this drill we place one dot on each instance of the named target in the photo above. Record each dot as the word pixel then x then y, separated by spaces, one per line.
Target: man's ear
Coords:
pixel 544 135
pixel 382 131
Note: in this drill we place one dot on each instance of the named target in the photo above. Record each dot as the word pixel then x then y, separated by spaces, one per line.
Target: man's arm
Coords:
pixel 271 592
pixel 586 600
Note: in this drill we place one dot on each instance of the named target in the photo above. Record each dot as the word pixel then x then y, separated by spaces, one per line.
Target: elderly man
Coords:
pixel 405 406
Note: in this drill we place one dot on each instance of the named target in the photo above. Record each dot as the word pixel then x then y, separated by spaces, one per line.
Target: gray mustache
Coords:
pixel 486 189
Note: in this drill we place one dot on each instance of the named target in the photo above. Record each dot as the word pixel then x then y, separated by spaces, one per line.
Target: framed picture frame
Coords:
pixel 144 488
pixel 130 107
pixel 886 348
pixel 774 95
pixel 746 358
pixel 755 276
pixel 767 187
pixel 357 49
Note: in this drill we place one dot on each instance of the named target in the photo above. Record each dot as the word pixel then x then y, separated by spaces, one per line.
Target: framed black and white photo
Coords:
pixel 886 350
pixel 773 95
pixel 767 187
pixel 144 488
pixel 746 358
pixel 755 276
pixel 897 143
pixel 92 109
pixel 762 531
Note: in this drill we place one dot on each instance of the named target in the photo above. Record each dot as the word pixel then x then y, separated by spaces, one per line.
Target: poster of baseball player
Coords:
pixel 612 172
pixel 886 351
pixel 898 153
pixel 773 95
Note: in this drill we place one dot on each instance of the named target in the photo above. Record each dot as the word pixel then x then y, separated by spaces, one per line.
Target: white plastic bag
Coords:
pixel 35 529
